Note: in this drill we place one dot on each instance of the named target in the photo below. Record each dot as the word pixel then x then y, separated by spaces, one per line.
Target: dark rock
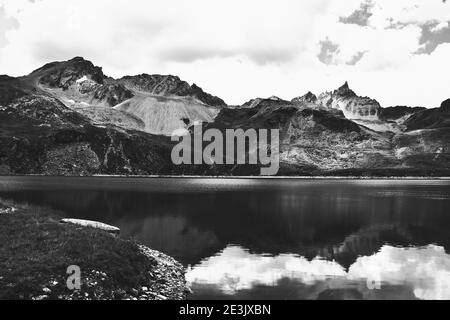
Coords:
pixel 397 112
pixel 345 90
pixel 65 74
pixel 11 89
pixel 113 94
pixel 330 121
pixel 45 110
pixel 446 105
pixel 430 118
pixel 166 85
pixel 307 98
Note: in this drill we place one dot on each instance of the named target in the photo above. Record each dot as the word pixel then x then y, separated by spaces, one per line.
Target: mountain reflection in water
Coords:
pixel 274 239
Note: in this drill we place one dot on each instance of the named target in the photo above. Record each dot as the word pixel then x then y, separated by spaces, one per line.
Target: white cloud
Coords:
pixel 238 49
pixel 6 23
pixel 440 26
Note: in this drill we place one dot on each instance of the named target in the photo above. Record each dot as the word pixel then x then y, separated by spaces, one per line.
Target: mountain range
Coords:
pixel 69 118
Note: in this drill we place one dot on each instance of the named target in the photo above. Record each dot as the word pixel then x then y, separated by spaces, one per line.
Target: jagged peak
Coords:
pixel 345 86
pixel 164 85
pixel 308 97
pixel 63 74
pixel 345 90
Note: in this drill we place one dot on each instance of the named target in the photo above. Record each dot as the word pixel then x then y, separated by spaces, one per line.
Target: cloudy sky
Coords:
pixel 395 51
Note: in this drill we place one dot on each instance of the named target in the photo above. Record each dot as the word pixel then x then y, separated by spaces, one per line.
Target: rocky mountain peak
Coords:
pixel 345 90
pixel 307 98
pixel 169 85
pixel 345 86
pixel 353 106
pixel 65 74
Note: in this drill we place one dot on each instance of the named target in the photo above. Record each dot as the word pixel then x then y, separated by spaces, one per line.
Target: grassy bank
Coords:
pixel 36 250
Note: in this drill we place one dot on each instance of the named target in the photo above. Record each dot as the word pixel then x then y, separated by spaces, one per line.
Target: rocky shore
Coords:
pixel 36 250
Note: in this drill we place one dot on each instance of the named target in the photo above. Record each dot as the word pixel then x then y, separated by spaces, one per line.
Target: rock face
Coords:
pixel 68 118
pixel 166 115
pixel 313 141
pixel 40 135
pixel 307 98
pixel 398 113
pixel 78 81
pixel 353 106
pixel 143 102
pixel 92 224
pixel 430 118
pixel 113 94
pixel 168 85
pixel 65 74
pixel 446 105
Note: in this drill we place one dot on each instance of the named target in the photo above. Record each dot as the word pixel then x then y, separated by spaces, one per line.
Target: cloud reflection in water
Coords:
pixel 425 271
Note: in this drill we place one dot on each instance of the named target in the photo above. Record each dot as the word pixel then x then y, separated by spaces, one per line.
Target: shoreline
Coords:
pixel 36 250
pixel 239 177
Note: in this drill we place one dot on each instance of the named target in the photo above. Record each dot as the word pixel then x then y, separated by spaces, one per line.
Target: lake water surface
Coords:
pixel 273 239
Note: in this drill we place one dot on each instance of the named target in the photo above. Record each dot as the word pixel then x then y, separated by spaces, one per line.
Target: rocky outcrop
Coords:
pixel 307 98
pixel 167 85
pixel 80 81
pixel 398 113
pixel 46 111
pixel 166 115
pixel 92 224
pixel 313 141
pixel 268 102
pixel 40 135
pixel 430 118
pixel 353 106
pixel 65 74
pixel 113 94
pixel 445 105
pixel 197 92
pixel 151 103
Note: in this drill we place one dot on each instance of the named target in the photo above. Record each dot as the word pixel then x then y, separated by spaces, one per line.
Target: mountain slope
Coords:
pixel 430 118
pixel 150 103
pixel 313 140
pixel 353 106
pixel 160 85
pixel 166 115
pixel 40 135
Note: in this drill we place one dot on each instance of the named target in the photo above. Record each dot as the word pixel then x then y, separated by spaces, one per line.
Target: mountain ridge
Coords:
pixel 69 118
